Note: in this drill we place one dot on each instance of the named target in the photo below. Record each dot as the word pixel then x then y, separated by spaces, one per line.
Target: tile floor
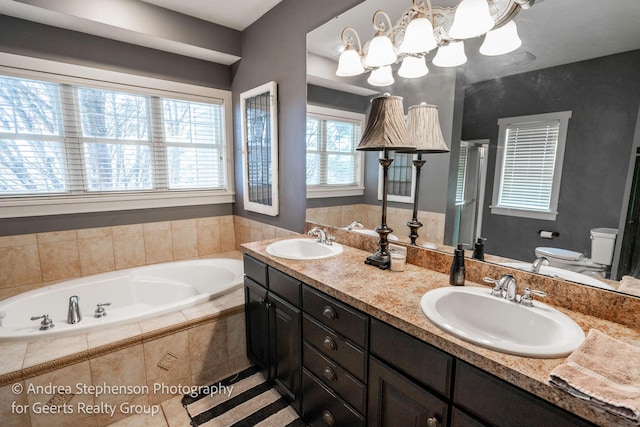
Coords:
pixel 172 415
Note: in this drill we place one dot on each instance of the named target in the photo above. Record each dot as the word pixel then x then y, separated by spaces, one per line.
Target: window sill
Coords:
pixel 330 191
pixel 60 205
pixel 545 215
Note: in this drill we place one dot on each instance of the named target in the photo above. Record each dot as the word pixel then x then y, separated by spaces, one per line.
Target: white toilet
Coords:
pixel 602 244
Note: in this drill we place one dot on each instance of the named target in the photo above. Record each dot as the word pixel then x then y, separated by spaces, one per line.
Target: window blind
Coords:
pixel 528 165
pixel 462 174
pixel 61 139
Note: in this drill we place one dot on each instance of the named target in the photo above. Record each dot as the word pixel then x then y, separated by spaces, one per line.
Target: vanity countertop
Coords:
pixel 394 297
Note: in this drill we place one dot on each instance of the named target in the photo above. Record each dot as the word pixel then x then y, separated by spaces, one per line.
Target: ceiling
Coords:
pixel 553 32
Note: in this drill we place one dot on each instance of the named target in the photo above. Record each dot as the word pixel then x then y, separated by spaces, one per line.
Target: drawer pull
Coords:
pixel 329 313
pixel 330 343
pixel 328 418
pixel 329 373
pixel 432 422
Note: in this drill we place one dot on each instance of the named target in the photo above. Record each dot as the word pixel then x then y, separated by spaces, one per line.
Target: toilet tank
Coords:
pixel 603 241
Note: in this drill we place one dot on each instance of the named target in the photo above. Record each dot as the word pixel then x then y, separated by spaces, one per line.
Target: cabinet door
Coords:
pixel 286 352
pixel 395 400
pixel 257 322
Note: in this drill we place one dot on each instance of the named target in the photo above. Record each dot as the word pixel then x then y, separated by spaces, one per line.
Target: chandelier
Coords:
pixel 422 29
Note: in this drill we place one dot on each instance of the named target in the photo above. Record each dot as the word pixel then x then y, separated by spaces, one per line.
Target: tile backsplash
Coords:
pixel 30 261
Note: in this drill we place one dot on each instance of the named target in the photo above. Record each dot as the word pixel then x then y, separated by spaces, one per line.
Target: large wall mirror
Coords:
pixel 575 56
pixel 260 149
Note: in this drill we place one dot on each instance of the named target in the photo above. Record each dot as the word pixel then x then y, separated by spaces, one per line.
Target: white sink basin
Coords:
pixel 303 249
pixel 471 313
pixel 374 233
pixel 561 273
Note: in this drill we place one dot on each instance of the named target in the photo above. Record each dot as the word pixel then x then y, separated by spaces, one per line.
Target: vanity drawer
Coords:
pixel 433 367
pixel 335 377
pixel 335 347
pixel 285 286
pixel 336 315
pixel 322 408
pixel 255 269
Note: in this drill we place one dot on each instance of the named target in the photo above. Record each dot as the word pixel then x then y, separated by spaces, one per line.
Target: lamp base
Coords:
pixel 379 260
pixel 414 225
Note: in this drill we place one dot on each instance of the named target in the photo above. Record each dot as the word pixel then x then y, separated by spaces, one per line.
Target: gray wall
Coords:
pixel 41 41
pixel 604 95
pixel 274 49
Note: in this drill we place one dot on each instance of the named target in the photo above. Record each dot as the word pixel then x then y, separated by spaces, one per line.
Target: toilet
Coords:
pixel 602 245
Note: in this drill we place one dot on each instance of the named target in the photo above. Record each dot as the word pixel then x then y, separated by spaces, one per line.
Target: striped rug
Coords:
pixel 242 400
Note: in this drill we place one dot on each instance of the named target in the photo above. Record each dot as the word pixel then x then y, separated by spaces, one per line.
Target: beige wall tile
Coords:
pixel 64 377
pixel 184 236
pixel 12 355
pixel 128 250
pixel 158 246
pixel 59 259
pixel 172 352
pixel 227 237
pixel 57 236
pixel 91 233
pixel 18 240
pixel 174 413
pixel 96 255
pixel 236 340
pixel 121 368
pixel 208 345
pixel 162 321
pixel 20 266
pixel 104 336
pixel 119 230
pixel 209 236
pixel 46 349
pixel 226 219
pixel 14 408
pixel 122 417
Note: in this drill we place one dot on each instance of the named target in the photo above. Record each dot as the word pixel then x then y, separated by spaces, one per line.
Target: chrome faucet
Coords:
pixel 320 233
pixel 537 263
pixel 506 283
pixel 74 316
pixel 355 224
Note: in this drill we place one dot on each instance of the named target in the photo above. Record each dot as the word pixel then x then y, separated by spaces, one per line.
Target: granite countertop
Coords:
pixel 394 297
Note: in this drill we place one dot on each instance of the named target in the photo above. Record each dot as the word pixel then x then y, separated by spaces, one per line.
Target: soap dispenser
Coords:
pixel 478 249
pixel 457 274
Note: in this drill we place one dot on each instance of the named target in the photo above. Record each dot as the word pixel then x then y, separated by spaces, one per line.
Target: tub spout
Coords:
pixel 74 316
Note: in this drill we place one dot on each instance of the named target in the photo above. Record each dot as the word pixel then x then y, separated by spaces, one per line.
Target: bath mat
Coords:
pixel 242 400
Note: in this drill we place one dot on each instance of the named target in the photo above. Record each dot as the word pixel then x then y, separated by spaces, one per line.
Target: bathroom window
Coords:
pixel 401 176
pixel 529 165
pixel 334 167
pixel 68 145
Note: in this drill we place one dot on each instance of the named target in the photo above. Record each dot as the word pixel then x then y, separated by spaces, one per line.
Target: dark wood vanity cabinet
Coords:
pixel 339 367
pixel 273 316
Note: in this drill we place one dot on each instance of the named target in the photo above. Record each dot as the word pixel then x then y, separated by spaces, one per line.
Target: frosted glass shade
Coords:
pixel 413 67
pixel 380 52
pixel 381 77
pixel 424 129
pixel 472 19
pixel 385 127
pixel 418 37
pixel 450 55
pixel 349 63
pixel 501 40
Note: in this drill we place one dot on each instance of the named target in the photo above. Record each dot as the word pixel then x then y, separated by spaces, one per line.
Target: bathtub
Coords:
pixel 133 294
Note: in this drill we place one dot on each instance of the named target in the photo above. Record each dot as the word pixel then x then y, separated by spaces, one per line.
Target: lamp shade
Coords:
pixel 413 67
pixel 349 63
pixel 418 37
pixel 386 128
pixel 382 76
pixel 472 19
pixel 424 129
pixel 501 40
pixel 450 55
pixel 380 52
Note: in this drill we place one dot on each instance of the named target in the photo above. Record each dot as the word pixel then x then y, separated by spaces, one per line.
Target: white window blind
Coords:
pixel 529 165
pixel 400 178
pixel 68 140
pixel 333 164
pixel 462 174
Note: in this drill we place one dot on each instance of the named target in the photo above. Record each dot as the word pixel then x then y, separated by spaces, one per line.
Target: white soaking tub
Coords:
pixel 132 294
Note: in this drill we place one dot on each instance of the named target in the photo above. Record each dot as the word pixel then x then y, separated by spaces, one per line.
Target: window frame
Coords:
pixel 394 197
pixel 62 73
pixel 338 190
pixel 504 123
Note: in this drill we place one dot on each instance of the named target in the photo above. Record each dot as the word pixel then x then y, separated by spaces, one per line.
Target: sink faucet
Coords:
pixel 506 283
pixel 320 233
pixel 74 316
pixel 355 224
pixel 537 263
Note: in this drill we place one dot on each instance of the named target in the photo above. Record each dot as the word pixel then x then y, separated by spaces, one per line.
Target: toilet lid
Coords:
pixel 559 253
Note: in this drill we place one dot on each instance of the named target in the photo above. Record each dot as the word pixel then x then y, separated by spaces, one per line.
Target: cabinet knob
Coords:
pixel 268 305
pixel 329 313
pixel 329 343
pixel 328 418
pixel 432 422
pixel 329 373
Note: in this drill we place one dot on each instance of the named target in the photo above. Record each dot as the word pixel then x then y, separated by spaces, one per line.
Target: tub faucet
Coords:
pixel 355 224
pixel 74 316
pixel 537 263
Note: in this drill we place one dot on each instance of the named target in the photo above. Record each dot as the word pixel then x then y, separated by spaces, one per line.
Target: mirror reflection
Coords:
pixel 576 59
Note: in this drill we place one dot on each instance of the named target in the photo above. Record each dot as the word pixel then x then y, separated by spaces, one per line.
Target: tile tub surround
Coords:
pixel 195 346
pixel 394 298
